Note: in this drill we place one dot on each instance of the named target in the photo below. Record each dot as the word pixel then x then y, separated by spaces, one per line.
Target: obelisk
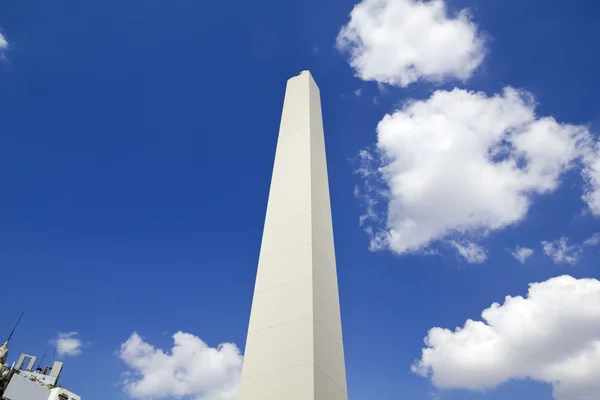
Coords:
pixel 294 348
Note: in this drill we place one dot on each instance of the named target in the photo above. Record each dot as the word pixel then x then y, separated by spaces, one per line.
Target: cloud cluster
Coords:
pixel 459 164
pixel 463 163
pixel 68 344
pixel 551 336
pixel 191 369
pixel 399 42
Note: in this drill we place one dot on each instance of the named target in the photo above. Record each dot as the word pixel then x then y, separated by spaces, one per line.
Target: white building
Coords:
pixel 22 382
pixel 62 394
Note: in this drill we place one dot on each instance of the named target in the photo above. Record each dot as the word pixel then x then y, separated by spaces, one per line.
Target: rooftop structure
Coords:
pixel 24 381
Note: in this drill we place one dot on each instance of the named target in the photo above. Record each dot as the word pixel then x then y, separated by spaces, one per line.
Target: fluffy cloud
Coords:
pixel 463 163
pixel 552 336
pixel 68 344
pixel 192 369
pixel 399 42
pixel 471 252
pixel 560 251
pixel 522 254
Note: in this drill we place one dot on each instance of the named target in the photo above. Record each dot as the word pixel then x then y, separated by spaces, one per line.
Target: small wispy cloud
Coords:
pixel 68 344
pixel 3 46
pixel 435 395
pixel 594 240
pixel 3 42
pixel 522 253
pixel 560 252
pixel 471 252
pixel 357 92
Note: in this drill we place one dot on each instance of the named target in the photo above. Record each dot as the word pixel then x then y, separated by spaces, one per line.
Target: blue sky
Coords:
pixel 137 140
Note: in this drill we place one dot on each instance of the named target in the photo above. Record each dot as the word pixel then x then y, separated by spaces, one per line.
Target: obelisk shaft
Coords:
pixel 294 349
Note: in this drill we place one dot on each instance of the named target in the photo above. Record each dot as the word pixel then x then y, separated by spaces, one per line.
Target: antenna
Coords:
pixel 15 328
pixel 41 362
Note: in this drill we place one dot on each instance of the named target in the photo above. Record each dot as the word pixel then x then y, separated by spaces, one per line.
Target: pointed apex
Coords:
pixel 305 73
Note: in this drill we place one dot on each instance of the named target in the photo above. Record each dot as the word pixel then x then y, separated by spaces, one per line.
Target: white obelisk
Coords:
pixel 294 349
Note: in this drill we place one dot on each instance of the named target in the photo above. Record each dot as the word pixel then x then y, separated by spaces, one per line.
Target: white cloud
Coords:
pixel 561 252
pixel 399 42
pixel 463 163
pixel 473 253
pixel 191 369
pixel 3 42
pixel 68 344
pixel 552 336
pixel 594 240
pixel 591 174
pixel 522 254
